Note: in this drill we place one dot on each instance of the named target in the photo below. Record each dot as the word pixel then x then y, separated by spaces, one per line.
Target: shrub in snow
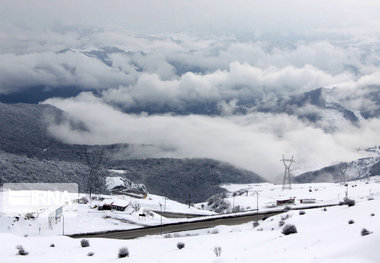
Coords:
pixel 289 229
pixel 302 212
pixel 372 214
pixel 84 243
pixel 237 209
pixel 283 218
pixel 255 224
pixel 180 245
pixel 365 232
pixel 287 208
pixel 218 251
pixel 90 254
pixel 281 223
pixel 21 251
pixel 214 231
pixel 52 245
pixel 351 221
pixel 325 209
pixel 123 252
pixel 349 202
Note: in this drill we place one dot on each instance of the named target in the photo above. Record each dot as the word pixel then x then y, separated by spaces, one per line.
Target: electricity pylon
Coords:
pixel 93 161
pixel 287 182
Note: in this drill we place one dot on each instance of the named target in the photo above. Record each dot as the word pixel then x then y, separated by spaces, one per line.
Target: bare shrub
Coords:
pixel 52 245
pixel 218 251
pixel 123 252
pixel 350 222
pixel 84 243
pixel 90 254
pixel 365 232
pixel 302 212
pixel 180 245
pixel 349 202
pixel 21 251
pixel 289 229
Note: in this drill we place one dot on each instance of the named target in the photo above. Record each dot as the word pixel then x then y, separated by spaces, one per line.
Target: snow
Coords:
pixel 324 193
pixel 323 236
pixel 112 182
pixel 87 218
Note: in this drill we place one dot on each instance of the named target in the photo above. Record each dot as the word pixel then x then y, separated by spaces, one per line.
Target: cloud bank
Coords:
pixel 166 57
pixel 254 141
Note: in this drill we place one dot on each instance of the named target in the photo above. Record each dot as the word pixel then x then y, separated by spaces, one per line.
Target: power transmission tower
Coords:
pixel 93 161
pixel 287 183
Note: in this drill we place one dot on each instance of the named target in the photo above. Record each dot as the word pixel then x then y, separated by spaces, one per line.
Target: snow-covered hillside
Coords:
pixel 87 218
pixel 323 235
pixel 243 197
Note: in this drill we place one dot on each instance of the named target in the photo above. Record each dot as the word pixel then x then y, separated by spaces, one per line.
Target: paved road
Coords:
pixel 176 227
pixel 200 223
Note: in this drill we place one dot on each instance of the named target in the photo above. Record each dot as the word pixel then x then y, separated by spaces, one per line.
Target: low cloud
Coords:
pixel 253 141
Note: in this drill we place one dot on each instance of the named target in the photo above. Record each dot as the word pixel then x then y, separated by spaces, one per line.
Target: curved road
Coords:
pixel 200 223
pixel 176 227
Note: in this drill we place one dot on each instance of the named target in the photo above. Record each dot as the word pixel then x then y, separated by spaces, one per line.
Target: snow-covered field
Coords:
pixel 323 193
pixel 322 236
pixel 87 218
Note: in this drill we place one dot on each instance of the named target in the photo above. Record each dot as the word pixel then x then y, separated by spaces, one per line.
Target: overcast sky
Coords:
pixel 173 53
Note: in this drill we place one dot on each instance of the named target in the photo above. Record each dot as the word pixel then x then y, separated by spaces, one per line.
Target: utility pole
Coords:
pixel 342 178
pixel 63 225
pixel 257 209
pixel 161 218
pixel 287 182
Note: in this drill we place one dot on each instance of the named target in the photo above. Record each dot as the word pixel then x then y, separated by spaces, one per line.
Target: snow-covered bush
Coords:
pixel 302 212
pixel 289 229
pixel 255 224
pixel 214 231
pixel 351 221
pixel 218 251
pixel 281 223
pixel 372 214
pixel 123 252
pixel 84 243
pixel 52 245
pixel 365 232
pixel 217 203
pixel 90 254
pixel 180 245
pixel 21 251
